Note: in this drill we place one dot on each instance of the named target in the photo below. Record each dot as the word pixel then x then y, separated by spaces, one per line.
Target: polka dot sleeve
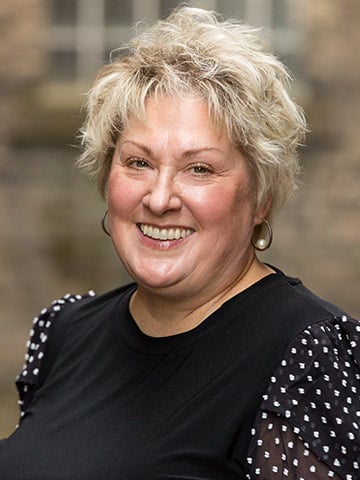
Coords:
pixel 309 423
pixel 29 376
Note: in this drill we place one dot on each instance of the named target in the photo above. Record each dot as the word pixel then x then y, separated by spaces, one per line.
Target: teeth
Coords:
pixel 165 233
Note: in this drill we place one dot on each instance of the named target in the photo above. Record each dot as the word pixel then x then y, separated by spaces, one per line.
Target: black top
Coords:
pixel 266 386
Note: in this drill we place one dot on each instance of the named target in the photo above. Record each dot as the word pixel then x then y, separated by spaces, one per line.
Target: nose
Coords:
pixel 163 194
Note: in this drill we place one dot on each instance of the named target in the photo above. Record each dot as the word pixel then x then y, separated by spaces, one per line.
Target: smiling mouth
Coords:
pixel 174 233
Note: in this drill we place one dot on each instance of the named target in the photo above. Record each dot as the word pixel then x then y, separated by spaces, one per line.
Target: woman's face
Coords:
pixel 181 211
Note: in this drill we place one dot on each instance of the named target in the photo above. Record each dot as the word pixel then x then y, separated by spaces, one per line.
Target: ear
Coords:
pixel 263 210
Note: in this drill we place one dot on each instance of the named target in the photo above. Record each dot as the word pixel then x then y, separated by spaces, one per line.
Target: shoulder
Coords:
pixel 321 359
pixel 289 306
pixel 312 403
pixel 315 390
pixel 60 315
pixel 37 345
pixel 72 311
pixel 51 327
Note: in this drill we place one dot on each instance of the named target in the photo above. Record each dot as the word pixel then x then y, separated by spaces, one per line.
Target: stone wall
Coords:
pixel 317 236
pixel 22 54
pixel 22 60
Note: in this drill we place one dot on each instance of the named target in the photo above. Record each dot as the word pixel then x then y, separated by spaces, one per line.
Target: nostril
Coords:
pixel 162 198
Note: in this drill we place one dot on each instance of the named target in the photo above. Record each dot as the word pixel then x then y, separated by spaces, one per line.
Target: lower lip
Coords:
pixel 158 244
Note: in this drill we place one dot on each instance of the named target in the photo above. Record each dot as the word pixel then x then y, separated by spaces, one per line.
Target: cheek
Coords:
pixel 220 205
pixel 122 194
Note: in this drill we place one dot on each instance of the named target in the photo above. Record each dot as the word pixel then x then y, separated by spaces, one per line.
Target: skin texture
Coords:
pixel 173 170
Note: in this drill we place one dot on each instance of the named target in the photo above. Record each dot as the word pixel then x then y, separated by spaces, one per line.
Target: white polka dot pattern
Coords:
pixel 36 347
pixel 309 424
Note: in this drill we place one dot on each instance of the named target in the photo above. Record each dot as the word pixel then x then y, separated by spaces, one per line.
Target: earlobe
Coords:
pixel 266 237
pixel 263 233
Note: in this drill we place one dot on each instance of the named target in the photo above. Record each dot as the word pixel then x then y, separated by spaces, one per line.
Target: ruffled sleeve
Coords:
pixel 309 423
pixel 35 357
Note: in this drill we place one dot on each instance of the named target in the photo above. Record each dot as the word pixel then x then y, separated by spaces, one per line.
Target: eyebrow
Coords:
pixel 144 148
pixel 187 153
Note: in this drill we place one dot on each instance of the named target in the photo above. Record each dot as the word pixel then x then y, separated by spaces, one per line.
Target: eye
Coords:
pixel 138 163
pixel 201 169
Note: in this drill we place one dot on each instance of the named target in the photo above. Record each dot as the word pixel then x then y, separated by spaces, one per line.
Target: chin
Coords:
pixel 160 284
pixel 155 274
pixel 155 283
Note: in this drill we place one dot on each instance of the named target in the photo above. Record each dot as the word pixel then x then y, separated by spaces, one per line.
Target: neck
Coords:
pixel 161 315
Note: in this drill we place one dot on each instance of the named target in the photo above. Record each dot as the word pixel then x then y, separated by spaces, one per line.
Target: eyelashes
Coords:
pixel 196 169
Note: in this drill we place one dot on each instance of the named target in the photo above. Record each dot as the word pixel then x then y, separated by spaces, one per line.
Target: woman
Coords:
pixel 212 365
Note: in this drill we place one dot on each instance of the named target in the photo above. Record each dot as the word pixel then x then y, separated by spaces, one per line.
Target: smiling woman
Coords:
pixel 212 364
pixel 173 174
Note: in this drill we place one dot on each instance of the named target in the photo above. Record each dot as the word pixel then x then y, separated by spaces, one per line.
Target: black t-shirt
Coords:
pixel 103 401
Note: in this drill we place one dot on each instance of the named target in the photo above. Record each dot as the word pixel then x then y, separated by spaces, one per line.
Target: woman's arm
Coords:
pixel 280 453
pixel 308 426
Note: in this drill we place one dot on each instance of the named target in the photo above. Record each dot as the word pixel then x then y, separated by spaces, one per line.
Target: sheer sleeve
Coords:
pixel 281 453
pixel 35 357
pixel 309 424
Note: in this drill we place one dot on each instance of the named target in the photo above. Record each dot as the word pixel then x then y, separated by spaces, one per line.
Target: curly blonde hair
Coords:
pixel 195 52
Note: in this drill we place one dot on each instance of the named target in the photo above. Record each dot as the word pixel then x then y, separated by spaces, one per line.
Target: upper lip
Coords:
pixel 165 232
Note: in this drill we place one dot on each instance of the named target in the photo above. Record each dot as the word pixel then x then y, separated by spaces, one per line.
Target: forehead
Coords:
pixel 180 118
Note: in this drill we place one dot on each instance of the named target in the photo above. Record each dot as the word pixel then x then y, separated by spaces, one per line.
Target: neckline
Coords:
pixel 137 340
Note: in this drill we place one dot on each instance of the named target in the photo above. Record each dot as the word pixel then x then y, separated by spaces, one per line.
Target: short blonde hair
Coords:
pixel 194 52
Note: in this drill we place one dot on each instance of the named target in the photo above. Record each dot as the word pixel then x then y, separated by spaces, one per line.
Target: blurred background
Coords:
pixel 50 237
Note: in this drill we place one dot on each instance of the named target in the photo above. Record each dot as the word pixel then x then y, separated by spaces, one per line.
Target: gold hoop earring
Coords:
pixel 262 243
pixel 103 226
